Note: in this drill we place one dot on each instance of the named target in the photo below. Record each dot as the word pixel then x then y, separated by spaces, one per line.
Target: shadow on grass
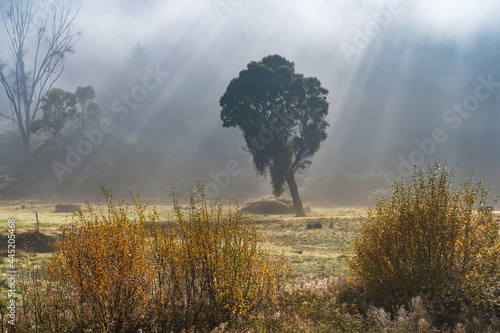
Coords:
pixel 30 241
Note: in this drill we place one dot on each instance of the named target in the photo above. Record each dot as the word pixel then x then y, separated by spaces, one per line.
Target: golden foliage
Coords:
pixel 430 238
pixel 212 268
pixel 104 259
pixel 128 272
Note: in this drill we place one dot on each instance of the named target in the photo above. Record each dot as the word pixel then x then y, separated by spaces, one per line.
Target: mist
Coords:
pixel 403 78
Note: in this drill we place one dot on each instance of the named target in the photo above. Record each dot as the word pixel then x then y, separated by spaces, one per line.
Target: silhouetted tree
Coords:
pixel 90 112
pixel 59 108
pixel 39 41
pixel 282 117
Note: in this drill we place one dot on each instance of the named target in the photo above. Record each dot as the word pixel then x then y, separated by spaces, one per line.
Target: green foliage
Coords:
pixel 48 148
pixel 282 117
pixel 90 112
pixel 429 238
pixel 59 108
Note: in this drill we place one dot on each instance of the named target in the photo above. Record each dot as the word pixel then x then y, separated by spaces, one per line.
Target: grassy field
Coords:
pixel 318 298
pixel 315 246
pixel 24 214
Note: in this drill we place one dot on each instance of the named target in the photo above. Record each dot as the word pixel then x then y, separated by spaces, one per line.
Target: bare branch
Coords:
pixel 34 71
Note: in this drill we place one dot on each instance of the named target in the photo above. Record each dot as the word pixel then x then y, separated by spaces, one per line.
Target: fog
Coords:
pixel 403 80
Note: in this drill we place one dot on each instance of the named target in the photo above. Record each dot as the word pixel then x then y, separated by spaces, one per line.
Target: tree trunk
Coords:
pixel 294 192
pixel 26 145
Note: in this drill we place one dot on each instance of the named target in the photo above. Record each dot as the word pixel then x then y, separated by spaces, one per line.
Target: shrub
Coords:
pixel 127 272
pixel 44 306
pixel 429 238
pixel 103 261
pixel 211 266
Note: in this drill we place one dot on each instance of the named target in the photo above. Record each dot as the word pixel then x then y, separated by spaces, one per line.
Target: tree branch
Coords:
pixel 25 86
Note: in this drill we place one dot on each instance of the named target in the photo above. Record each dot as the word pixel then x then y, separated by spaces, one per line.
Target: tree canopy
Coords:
pixel 90 112
pixel 61 108
pixel 282 117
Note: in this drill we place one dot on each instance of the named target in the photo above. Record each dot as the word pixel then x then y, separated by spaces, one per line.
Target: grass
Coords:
pixel 319 212
pixel 315 246
pixel 339 211
pixel 47 217
pixel 25 217
pixel 313 252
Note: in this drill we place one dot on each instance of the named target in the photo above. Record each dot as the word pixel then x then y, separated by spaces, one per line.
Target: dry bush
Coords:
pixel 124 272
pixel 103 260
pixel 306 306
pixel 211 266
pixel 415 319
pixel 432 239
pixel 44 306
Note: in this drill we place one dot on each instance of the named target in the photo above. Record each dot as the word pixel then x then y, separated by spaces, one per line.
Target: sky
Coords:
pixel 403 78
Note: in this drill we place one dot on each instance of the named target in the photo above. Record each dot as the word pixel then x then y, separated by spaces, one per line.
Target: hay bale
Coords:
pixel 270 207
pixel 60 208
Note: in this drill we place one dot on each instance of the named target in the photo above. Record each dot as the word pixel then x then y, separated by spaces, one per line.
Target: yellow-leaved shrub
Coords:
pixel 211 265
pixel 433 239
pixel 125 272
pixel 104 261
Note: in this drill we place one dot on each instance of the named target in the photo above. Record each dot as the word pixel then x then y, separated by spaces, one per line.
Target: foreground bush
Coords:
pixel 104 261
pixel 329 305
pixel 125 272
pixel 212 268
pixel 431 239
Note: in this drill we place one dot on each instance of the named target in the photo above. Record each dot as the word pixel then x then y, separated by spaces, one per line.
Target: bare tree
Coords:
pixel 39 41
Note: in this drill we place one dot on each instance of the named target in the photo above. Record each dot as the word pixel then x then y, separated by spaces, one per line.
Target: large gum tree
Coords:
pixel 40 38
pixel 282 117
